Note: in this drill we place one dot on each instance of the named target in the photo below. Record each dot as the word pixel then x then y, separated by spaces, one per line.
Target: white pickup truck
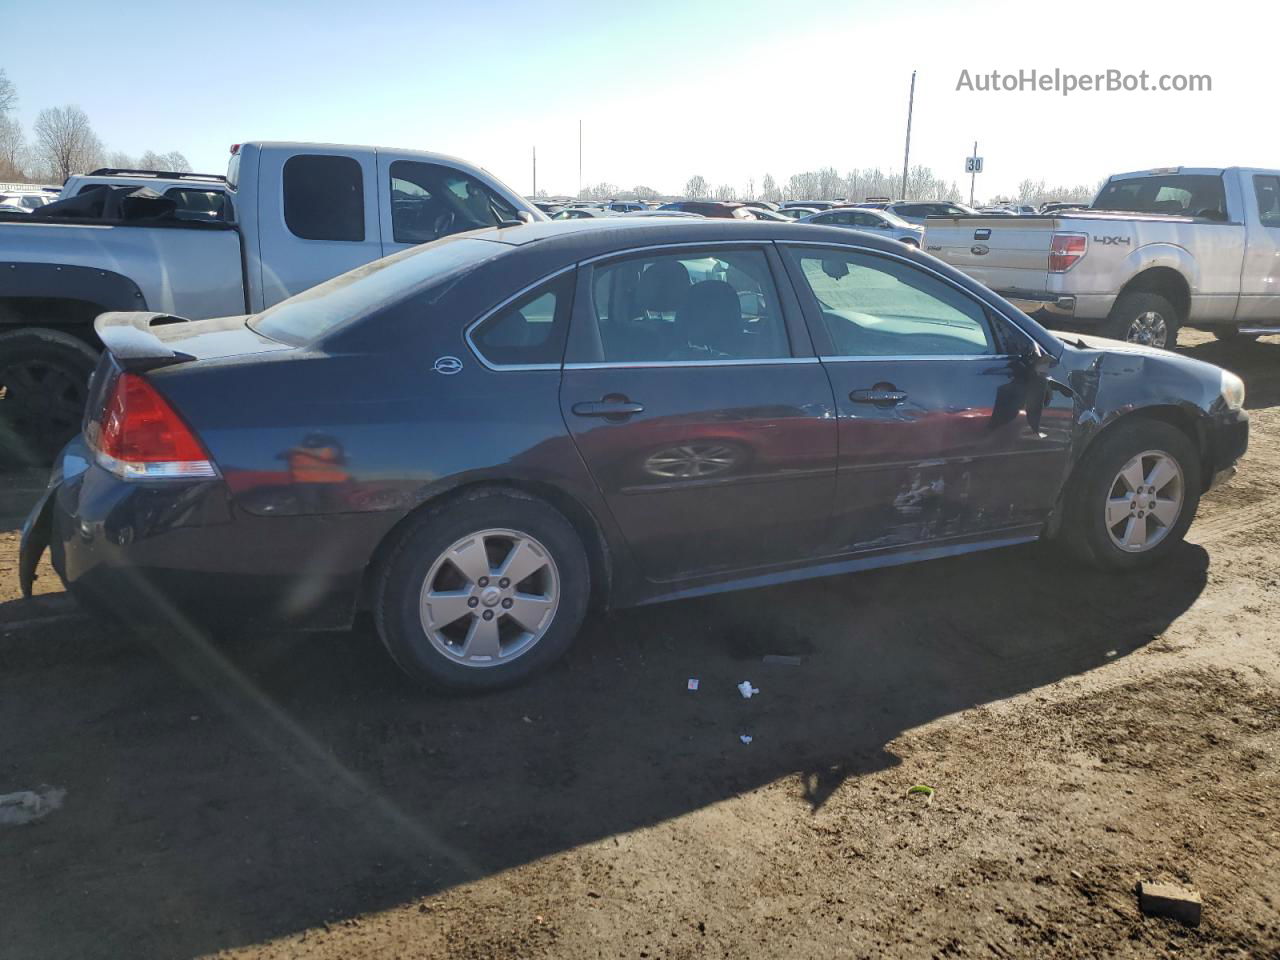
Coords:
pixel 300 214
pixel 1157 250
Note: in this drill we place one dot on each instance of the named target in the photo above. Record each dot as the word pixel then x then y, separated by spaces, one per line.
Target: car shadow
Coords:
pixel 1257 362
pixel 220 794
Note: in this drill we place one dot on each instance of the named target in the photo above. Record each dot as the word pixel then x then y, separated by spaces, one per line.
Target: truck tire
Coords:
pixel 1145 318
pixel 44 383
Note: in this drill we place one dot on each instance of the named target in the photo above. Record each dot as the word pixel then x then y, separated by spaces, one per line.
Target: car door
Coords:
pixel 945 430
pixel 317 218
pixel 1260 277
pixel 692 392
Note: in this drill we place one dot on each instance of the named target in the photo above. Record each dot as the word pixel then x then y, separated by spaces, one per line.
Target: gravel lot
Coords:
pixel 288 795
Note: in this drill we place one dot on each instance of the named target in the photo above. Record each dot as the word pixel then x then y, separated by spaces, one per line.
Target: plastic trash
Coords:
pixel 747 690
pixel 745 738
pixel 27 805
pixel 693 683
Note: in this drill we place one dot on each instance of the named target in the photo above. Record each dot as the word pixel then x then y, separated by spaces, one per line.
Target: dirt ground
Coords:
pixel 290 795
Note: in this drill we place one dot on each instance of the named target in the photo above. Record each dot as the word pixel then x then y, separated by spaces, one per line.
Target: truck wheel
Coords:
pixel 1145 318
pixel 482 592
pixel 1133 496
pixel 44 383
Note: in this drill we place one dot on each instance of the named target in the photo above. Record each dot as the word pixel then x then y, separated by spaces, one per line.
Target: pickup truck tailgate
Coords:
pixel 1004 253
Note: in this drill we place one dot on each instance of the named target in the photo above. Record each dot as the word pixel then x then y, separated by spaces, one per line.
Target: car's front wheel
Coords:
pixel 483 591
pixel 1134 495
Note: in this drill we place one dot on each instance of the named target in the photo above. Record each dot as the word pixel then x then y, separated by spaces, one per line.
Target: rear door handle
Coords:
pixel 877 396
pixel 607 408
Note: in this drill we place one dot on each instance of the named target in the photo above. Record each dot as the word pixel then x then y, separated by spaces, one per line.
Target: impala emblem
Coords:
pixel 447 365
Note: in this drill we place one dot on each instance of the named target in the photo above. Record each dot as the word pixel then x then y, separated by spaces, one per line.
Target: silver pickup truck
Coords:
pixel 299 214
pixel 1157 250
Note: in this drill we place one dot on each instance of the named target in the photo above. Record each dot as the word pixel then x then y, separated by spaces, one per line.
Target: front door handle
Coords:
pixel 607 408
pixel 878 396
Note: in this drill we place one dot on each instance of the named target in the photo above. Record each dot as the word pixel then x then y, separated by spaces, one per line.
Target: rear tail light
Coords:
pixel 139 435
pixel 1065 251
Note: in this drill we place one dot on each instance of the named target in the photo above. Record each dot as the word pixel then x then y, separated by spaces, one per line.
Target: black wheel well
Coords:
pixel 578 515
pixel 1176 417
pixel 1165 281
pixel 67 314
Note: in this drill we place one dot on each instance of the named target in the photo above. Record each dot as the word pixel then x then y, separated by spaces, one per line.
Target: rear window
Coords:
pixel 1186 194
pixel 324 197
pixel 319 311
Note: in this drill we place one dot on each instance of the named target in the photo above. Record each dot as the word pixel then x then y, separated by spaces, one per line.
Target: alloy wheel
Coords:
pixel 490 597
pixel 1145 501
pixel 1149 329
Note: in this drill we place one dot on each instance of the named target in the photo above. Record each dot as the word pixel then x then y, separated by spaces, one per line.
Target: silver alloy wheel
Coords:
pixel 691 461
pixel 490 597
pixel 1148 329
pixel 1145 501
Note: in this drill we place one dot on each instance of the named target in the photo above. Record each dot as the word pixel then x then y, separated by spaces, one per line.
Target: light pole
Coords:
pixel 906 156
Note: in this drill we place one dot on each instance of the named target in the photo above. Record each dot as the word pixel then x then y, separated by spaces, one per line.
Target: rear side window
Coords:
pixel 324 197
pixel 200 204
pixel 1190 194
pixel 876 307
pixel 529 331
pixel 1267 190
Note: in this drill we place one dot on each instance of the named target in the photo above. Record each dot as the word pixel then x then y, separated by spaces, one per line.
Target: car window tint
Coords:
pixel 199 204
pixel 876 307
pixel 429 201
pixel 529 331
pixel 324 197
pixel 717 305
pixel 1267 190
pixel 1195 194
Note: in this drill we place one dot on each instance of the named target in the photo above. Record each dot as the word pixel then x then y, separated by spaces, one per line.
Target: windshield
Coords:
pixel 314 313
pixel 1188 194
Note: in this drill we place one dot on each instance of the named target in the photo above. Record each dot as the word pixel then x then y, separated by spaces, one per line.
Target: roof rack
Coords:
pixel 157 174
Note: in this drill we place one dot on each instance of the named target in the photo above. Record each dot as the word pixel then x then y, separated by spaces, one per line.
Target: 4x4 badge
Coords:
pixel 447 365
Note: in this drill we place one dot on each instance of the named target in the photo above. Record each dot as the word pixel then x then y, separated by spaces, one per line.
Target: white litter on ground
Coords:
pixel 745 738
pixel 27 805
pixel 693 683
pixel 747 690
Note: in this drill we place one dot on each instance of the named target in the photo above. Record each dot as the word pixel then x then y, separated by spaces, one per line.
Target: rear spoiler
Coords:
pixel 131 341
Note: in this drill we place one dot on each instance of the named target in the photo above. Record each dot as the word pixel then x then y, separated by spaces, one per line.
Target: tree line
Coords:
pixel 63 142
pixel 855 186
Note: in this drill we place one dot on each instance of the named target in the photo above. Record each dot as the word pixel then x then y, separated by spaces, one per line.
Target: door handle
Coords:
pixel 607 408
pixel 877 396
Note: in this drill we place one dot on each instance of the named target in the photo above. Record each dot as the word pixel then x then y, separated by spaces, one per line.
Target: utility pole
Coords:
pixel 579 159
pixel 535 171
pixel 906 156
pixel 973 171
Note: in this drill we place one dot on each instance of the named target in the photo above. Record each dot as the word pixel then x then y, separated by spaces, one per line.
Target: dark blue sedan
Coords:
pixel 481 438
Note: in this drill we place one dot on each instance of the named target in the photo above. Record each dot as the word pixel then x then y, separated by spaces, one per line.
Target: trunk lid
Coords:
pixel 1007 254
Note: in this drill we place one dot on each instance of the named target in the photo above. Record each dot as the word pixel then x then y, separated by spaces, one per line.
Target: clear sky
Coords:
pixel 665 88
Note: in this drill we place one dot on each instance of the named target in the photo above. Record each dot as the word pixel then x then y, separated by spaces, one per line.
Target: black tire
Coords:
pixel 44 384
pixel 1122 322
pixel 1084 530
pixel 399 584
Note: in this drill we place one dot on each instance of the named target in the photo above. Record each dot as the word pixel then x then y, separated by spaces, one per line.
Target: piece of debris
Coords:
pixel 28 805
pixel 747 690
pixel 1111 653
pixel 526 720
pixel 693 683
pixel 745 738
pixel 922 789
pixel 781 660
pixel 1170 900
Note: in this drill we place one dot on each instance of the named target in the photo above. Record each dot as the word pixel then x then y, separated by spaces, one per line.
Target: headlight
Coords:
pixel 1232 390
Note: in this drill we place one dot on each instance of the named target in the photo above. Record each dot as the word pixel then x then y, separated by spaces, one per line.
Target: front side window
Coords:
pixel 529 331
pixel 877 307
pixel 430 201
pixel 1267 190
pixel 712 305
pixel 324 197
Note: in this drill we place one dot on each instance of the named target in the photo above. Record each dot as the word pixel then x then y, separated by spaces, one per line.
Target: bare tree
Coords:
pixel 697 187
pixel 120 160
pixel 644 193
pixel 65 141
pixel 769 190
pixel 8 93
pixel 13 150
pixel 175 161
pixel 725 192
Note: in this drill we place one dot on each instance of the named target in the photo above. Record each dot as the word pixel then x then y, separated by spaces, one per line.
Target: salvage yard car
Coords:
pixel 302 213
pixel 1158 249
pixel 480 438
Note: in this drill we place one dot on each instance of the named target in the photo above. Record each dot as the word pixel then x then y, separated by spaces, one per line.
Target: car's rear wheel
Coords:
pixel 483 591
pixel 1134 495
pixel 1144 318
